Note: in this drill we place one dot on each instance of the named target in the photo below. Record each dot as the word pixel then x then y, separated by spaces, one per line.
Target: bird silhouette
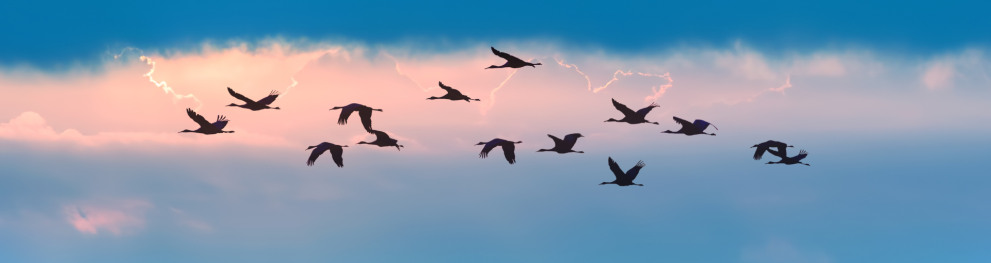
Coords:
pixel 508 148
pixel 789 160
pixel 624 179
pixel 511 61
pixel 364 112
pixel 762 147
pixel 631 117
pixel 254 105
pixel 382 140
pixel 452 94
pixel 690 129
pixel 563 146
pixel 335 152
pixel 205 126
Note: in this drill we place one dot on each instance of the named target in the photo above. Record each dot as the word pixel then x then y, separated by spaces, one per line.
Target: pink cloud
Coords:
pixel 118 217
pixel 30 126
pixel 122 105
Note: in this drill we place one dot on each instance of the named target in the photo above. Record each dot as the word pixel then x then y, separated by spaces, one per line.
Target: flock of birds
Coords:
pixel 561 146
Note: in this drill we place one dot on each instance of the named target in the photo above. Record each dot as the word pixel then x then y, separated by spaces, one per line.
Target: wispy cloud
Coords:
pixel 116 217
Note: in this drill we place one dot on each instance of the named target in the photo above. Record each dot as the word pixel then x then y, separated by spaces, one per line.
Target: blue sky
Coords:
pixel 53 33
pixel 890 99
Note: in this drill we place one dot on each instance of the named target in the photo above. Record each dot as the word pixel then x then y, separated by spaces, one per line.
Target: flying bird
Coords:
pixel 690 129
pixel 508 148
pixel 364 112
pixel 563 146
pixel 452 94
pixel 624 179
pixel 205 126
pixel 762 147
pixel 789 160
pixel 254 105
pixel 382 140
pixel 335 152
pixel 631 117
pixel 511 61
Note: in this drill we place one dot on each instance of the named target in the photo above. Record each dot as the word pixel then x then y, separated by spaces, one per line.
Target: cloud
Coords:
pixel 120 107
pixel 116 217
pixel 947 70
pixel 31 127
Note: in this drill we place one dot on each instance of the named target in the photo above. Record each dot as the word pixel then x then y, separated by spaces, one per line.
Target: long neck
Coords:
pixel 544 150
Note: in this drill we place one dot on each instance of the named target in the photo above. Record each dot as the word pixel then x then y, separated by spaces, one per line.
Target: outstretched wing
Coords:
pixel 801 155
pixel 615 170
pixel 337 153
pixel 366 118
pixel 570 140
pixel 271 98
pixel 445 87
pixel 702 124
pixel 380 135
pixel 489 146
pixel 506 56
pixel 775 153
pixel 322 147
pixel 643 112
pixel 632 173
pixel 346 113
pixel 622 108
pixel 220 123
pixel 760 152
pixel 683 122
pixel 509 149
pixel 239 96
pixel 198 118
pixel 557 142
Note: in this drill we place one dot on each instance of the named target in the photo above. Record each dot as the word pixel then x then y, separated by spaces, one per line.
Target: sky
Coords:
pixel 891 101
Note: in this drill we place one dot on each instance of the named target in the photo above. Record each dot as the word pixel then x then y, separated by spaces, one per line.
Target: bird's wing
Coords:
pixel 783 149
pixel 509 149
pixel 380 135
pixel 445 87
pixel 271 98
pixel 346 112
pixel 239 96
pixel 616 170
pixel 570 140
pixel 198 118
pixel 632 173
pixel 760 151
pixel 557 142
pixel 683 122
pixel 455 93
pixel 506 56
pixel 366 118
pixel 489 146
pixel 322 147
pixel 622 108
pixel 775 153
pixel 220 124
pixel 337 153
pixel 801 155
pixel 643 112
pixel 701 124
